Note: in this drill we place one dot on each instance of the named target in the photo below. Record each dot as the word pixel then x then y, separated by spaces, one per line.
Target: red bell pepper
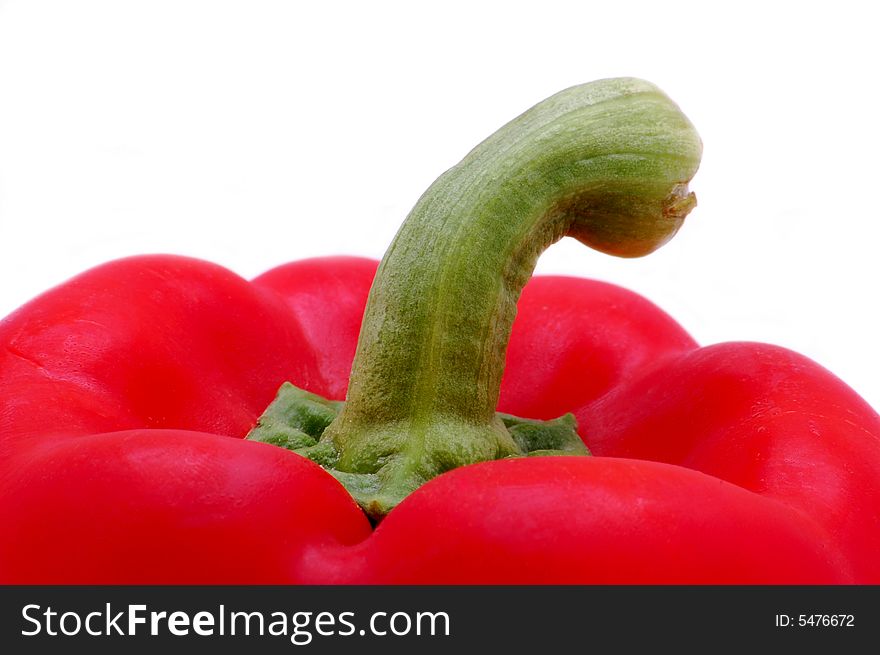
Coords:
pixel 126 393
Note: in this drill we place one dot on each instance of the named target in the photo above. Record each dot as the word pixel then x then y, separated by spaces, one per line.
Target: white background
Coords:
pixel 253 133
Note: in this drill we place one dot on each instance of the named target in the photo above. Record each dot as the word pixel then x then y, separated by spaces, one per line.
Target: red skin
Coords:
pixel 125 392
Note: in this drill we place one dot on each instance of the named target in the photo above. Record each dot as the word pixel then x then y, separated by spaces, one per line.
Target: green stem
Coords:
pixel 607 163
pixel 296 420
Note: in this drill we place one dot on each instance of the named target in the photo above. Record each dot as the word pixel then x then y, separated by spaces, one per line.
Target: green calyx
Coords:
pixel 296 420
pixel 607 163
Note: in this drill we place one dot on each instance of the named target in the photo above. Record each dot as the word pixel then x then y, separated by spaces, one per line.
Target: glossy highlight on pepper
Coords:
pixel 127 393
